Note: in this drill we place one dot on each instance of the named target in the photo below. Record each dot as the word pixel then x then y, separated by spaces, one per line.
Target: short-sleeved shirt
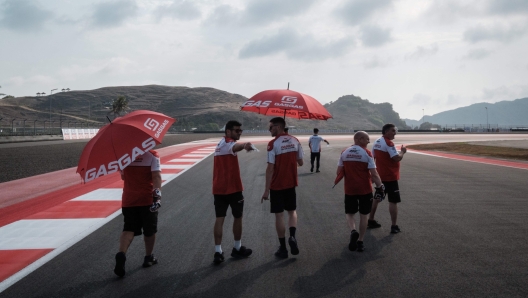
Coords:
pixel 357 162
pixel 283 152
pixel 384 150
pixel 226 172
pixel 138 186
pixel 315 143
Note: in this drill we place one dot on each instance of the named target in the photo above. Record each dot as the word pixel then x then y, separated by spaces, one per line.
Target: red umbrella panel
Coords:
pixel 339 177
pixel 286 103
pixel 120 142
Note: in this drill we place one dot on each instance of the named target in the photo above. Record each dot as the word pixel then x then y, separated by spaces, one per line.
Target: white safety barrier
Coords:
pixel 78 134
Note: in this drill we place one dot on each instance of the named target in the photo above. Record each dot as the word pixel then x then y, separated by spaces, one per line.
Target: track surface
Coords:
pixel 463 235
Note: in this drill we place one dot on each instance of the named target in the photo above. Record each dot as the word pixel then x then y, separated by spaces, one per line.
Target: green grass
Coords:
pixel 465 148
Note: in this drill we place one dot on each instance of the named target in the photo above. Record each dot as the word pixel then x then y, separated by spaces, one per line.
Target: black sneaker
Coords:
pixel 311 169
pixel 119 269
pixel 360 246
pixel 293 246
pixel 395 229
pixel 317 171
pixel 281 253
pixel 149 261
pixel 218 258
pixel 352 246
pixel 373 224
pixel 243 252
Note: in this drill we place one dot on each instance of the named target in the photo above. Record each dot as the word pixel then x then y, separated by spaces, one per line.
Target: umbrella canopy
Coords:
pixel 120 142
pixel 286 103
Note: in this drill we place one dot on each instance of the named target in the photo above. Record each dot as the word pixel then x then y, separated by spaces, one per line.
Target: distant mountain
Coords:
pixel 504 113
pixel 202 108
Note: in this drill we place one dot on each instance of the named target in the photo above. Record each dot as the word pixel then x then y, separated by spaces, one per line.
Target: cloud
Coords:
pixel 375 62
pixel 182 10
pixel 23 15
pixel 295 46
pixel 263 12
pixel 118 65
pixel 447 12
pixel 505 93
pixel 422 52
pixel 258 12
pixel 356 11
pixel 113 14
pixel 477 54
pixel 420 99
pixel 508 6
pixel 374 36
pixel 495 33
pixel 223 15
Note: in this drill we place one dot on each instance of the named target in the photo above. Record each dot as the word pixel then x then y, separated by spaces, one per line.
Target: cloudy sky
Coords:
pixel 421 56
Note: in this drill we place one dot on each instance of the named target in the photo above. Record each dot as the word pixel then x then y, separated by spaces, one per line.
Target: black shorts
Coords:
pixel 392 190
pixel 363 203
pixel 140 218
pixel 235 200
pixel 284 199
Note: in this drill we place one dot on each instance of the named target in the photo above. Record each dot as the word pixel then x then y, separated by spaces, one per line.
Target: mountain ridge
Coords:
pixel 204 108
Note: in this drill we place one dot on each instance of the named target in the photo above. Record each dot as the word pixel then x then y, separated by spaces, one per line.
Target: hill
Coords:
pixel 503 113
pixel 202 108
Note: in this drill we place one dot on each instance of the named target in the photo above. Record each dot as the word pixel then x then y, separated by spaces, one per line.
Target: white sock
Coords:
pixel 238 244
pixel 218 248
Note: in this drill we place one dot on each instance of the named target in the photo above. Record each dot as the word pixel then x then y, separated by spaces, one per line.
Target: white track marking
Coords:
pixel 182 167
pixel 185 160
pixel 42 233
pixel 102 194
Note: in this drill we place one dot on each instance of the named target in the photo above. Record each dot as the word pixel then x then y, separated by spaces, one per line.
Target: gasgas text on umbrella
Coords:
pixel 122 162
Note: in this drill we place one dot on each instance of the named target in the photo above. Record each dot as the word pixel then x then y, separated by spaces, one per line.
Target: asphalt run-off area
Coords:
pixel 463 222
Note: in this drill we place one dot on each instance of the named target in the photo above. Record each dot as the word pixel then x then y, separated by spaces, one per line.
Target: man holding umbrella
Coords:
pixel 141 200
pixel 284 155
pixel 227 190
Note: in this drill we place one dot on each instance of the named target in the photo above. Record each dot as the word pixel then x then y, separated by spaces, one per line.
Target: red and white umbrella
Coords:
pixel 121 141
pixel 286 103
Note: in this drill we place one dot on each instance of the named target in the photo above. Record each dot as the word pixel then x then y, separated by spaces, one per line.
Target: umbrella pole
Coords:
pixel 288 85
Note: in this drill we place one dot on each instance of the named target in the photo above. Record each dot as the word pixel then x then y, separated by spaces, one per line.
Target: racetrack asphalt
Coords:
pixel 463 235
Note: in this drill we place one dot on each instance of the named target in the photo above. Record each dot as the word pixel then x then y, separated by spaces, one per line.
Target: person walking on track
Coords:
pixel 359 169
pixel 284 155
pixel 141 200
pixel 314 142
pixel 388 163
pixel 227 190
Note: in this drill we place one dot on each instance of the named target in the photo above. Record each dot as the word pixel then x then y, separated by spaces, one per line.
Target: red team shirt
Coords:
pixel 384 151
pixel 283 152
pixel 226 173
pixel 138 187
pixel 357 162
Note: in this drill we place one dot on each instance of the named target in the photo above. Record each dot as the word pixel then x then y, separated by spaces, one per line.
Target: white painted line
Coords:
pixel 462 159
pixel 48 257
pixel 42 233
pixel 194 155
pixel 201 153
pixel 102 194
pixel 175 167
pixel 185 160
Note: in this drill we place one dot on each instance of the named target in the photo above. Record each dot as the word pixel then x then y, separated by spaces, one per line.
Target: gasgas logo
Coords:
pixel 121 163
pixel 154 125
pixel 286 102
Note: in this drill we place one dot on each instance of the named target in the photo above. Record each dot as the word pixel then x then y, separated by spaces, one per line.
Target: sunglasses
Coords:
pixel 237 130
